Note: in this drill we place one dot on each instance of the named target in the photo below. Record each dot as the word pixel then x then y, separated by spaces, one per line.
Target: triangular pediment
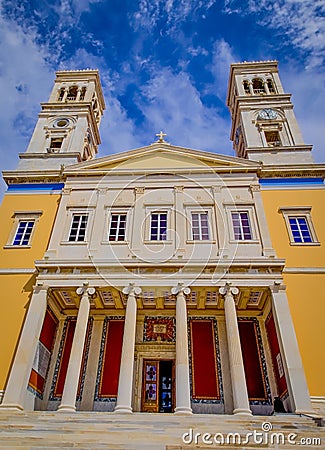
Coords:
pixel 162 157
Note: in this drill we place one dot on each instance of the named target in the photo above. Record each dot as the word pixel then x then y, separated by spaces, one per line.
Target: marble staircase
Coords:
pixel 140 431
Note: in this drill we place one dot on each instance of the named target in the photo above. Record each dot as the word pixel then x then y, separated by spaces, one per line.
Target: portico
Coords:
pixel 106 335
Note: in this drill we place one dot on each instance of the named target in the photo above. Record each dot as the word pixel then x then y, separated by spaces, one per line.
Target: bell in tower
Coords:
pixel 67 130
pixel 264 127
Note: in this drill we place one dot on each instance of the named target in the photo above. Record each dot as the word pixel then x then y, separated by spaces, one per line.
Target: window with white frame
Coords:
pixel 24 232
pixel 158 226
pixel 117 227
pixel 299 225
pixel 200 226
pixel 78 228
pixel 241 225
pixel 23 229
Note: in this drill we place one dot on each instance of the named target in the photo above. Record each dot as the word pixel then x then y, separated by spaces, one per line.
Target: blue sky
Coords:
pixel 163 65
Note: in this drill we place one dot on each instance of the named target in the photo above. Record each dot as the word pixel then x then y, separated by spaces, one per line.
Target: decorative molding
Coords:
pixel 17 271
pixel 305 270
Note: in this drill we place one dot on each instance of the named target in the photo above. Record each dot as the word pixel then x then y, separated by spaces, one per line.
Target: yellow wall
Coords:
pixel 296 255
pixel 15 292
pixel 20 257
pixel 16 289
pixel 305 291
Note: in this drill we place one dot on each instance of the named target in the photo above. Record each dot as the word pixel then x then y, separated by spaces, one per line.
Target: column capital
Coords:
pixel 180 288
pixel 227 289
pixel 277 287
pixel 131 289
pixel 255 187
pixel 40 286
pixel 179 189
pixel 139 189
pixel 85 289
pixel 216 188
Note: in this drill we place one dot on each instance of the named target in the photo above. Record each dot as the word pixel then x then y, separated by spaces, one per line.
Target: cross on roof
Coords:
pixel 161 136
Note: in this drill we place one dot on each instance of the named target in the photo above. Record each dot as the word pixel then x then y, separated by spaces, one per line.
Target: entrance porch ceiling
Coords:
pixel 160 298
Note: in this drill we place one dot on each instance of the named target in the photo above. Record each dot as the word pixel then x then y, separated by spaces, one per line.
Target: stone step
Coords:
pixel 141 431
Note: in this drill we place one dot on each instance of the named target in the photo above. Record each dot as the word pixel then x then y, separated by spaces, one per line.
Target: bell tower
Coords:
pixel 264 127
pixel 67 130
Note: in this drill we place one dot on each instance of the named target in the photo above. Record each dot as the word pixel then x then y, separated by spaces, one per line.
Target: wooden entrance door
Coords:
pixel 158 386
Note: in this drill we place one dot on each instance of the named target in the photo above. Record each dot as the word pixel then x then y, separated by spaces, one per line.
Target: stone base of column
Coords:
pixel 120 409
pixel 67 408
pixel 12 407
pixel 242 412
pixel 183 410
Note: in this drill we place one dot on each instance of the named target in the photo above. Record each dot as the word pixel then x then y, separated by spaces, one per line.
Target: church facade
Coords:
pixel 164 279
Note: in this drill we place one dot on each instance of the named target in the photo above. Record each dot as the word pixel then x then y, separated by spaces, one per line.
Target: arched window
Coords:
pixel 61 94
pixel 246 87
pixel 270 85
pixel 72 94
pixel 83 93
pixel 258 86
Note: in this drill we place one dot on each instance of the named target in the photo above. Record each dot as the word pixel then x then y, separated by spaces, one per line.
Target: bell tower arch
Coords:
pixel 67 130
pixel 264 126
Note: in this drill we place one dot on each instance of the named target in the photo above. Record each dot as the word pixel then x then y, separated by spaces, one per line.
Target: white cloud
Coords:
pixel 151 11
pixel 301 20
pixel 222 57
pixel 25 81
pixel 170 102
pixel 308 102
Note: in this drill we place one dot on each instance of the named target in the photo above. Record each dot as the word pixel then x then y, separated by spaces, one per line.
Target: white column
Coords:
pixel 183 397
pixel 295 374
pixel 124 395
pixel 68 402
pixel 237 372
pixel 15 393
pixel 267 248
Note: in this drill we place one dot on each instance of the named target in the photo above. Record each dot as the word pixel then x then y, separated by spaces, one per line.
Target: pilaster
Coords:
pixel 297 384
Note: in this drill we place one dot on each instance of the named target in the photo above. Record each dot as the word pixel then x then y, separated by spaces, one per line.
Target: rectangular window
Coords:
pixel 24 231
pixel 300 229
pixel 299 225
pixel 158 226
pixel 78 228
pixel 241 226
pixel 200 226
pixel 117 227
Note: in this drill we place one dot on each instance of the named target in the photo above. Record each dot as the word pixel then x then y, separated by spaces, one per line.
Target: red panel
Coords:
pixel 275 352
pixel 48 330
pixel 65 358
pixel 36 381
pixel 112 359
pixel 252 360
pixel 204 365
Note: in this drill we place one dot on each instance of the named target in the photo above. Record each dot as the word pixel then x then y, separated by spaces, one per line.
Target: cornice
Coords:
pixel 35 176
pixel 291 171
